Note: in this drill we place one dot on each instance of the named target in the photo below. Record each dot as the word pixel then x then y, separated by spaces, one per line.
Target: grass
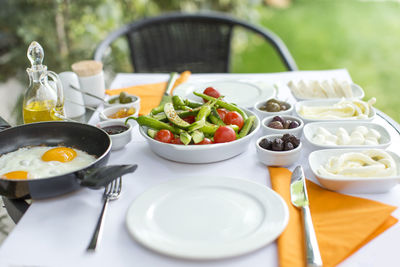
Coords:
pixel 363 37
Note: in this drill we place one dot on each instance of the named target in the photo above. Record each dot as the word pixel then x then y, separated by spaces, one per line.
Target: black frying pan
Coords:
pixel 85 137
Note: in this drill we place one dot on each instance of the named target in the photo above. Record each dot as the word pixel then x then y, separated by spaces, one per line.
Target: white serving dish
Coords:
pixel 310 129
pixel 295 131
pixel 103 115
pixel 207 217
pixel 263 114
pixel 241 93
pixel 277 158
pixel 201 153
pixel 118 141
pixel 358 93
pixel 327 102
pixel 354 185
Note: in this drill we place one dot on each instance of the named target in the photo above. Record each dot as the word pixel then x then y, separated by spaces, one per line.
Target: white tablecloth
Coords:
pixel 56 232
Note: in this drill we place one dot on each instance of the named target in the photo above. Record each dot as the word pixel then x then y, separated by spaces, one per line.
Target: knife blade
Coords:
pixel 299 198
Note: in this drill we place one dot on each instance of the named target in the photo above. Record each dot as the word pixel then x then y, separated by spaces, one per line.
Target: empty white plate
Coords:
pixel 241 93
pixel 207 217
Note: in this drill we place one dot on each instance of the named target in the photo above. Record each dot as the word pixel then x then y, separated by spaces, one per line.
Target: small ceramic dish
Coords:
pixel 357 91
pixel 354 185
pixel 298 131
pixel 263 114
pixel 115 100
pixel 277 158
pixel 310 130
pixel 328 102
pixel 107 112
pixel 119 132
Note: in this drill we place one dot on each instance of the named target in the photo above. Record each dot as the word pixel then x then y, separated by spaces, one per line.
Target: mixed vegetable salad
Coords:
pixel 183 121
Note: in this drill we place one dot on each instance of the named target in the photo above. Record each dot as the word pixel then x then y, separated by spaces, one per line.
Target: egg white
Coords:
pixel 29 159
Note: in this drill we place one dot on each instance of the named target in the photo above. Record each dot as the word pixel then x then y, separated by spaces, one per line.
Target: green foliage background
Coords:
pixel 362 36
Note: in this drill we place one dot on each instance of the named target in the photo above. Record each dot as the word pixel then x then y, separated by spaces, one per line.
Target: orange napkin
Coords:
pixel 342 223
pixel 150 94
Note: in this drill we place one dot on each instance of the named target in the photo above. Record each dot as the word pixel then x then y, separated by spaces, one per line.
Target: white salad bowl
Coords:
pixel 201 153
pixel 311 128
pixel 353 185
pixel 328 102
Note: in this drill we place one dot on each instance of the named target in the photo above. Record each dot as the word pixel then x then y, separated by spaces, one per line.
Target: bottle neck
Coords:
pixel 35 72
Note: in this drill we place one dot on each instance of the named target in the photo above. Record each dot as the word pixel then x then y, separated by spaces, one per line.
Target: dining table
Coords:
pixel 56 231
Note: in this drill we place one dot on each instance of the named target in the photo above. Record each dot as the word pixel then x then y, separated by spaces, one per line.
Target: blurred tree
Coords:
pixel 70 30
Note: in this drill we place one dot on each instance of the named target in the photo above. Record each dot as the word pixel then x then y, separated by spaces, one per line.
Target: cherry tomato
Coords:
pixel 164 136
pixel 222 112
pixel 176 141
pixel 211 91
pixel 205 141
pixel 189 119
pixel 224 134
pixel 233 117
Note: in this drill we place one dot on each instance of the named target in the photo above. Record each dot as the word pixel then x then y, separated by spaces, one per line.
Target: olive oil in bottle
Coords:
pixel 42 102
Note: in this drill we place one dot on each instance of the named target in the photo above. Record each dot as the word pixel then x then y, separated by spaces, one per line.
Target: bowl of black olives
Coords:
pixel 272 107
pixel 283 124
pixel 278 149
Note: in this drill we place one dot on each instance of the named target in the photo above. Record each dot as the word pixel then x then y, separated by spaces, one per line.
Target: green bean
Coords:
pixel 157 110
pixel 192 104
pixel 215 118
pixel 223 104
pixel 153 123
pixel 248 123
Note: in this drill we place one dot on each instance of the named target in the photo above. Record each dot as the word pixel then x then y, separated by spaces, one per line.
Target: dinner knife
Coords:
pixel 299 198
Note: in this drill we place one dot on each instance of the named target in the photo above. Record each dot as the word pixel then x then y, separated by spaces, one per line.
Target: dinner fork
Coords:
pixel 111 192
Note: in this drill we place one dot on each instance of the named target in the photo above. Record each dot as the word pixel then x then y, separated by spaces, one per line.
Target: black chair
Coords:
pixel 200 43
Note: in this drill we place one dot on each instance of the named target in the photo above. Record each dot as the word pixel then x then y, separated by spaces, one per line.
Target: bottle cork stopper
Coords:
pixel 87 68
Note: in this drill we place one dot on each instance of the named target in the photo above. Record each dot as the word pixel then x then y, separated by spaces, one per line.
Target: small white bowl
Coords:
pixel 118 141
pixel 327 102
pixel 277 158
pixel 135 100
pixel 263 114
pixel 353 185
pixel 103 115
pixel 310 129
pixel 295 131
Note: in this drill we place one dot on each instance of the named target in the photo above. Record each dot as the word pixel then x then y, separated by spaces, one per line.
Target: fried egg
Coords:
pixel 41 162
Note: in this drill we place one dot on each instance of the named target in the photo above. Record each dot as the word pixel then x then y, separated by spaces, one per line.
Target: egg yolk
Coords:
pixel 16 175
pixel 61 154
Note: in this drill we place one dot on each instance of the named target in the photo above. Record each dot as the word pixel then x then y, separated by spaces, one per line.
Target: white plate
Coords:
pixel 201 153
pixel 241 93
pixel 328 102
pixel 207 217
pixel 310 129
pixel 352 185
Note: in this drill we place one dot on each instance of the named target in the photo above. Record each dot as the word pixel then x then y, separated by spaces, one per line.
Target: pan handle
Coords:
pixel 4 124
pixel 96 178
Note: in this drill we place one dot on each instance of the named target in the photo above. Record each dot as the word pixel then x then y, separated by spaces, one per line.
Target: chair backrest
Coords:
pixel 200 43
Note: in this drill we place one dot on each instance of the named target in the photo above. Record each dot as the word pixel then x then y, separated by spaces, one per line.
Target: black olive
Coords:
pixel 288 146
pixel 277 145
pixel 266 144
